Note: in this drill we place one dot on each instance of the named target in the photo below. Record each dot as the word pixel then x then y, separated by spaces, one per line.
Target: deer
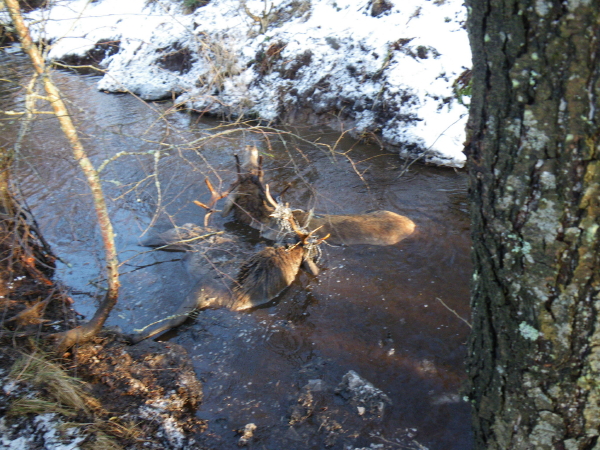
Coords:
pixel 259 280
pixel 249 199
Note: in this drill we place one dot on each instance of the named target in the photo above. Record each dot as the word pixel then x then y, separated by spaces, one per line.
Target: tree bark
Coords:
pixel 90 329
pixel 533 151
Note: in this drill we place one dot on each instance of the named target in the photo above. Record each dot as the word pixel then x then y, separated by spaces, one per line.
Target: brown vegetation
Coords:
pixel 113 395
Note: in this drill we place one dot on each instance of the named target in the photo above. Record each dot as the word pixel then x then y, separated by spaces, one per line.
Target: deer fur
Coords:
pixel 249 200
pixel 260 279
pixel 247 197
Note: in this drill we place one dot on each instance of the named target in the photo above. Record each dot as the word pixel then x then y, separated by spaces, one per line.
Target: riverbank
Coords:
pixel 102 395
pixel 394 73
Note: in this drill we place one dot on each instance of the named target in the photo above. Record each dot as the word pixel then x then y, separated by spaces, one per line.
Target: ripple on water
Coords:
pixel 372 309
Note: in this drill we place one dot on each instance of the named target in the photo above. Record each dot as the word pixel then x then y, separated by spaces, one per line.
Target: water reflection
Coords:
pixel 372 309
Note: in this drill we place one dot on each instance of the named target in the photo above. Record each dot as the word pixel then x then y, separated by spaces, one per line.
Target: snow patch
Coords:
pixel 45 431
pixel 392 74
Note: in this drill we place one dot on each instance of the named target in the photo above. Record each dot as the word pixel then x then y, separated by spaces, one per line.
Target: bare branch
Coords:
pixel 89 330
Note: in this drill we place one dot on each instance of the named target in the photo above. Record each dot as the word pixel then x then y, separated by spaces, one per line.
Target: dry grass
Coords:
pixel 220 58
pixel 37 406
pixel 65 395
pixel 129 430
pixel 104 434
pixel 102 441
pixel 65 390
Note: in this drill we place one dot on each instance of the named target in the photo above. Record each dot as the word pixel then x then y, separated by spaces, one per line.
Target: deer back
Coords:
pixel 263 276
pixel 375 228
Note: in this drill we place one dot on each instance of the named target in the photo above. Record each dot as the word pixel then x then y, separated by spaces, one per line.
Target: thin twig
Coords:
pixel 454 312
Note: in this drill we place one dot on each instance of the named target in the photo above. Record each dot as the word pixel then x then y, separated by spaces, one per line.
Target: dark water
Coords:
pixel 373 310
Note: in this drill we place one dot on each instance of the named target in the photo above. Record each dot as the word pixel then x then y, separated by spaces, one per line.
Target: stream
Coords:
pixel 375 310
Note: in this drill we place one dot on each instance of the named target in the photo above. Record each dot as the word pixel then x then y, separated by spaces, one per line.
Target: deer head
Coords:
pixel 246 196
pixel 262 277
pixel 251 203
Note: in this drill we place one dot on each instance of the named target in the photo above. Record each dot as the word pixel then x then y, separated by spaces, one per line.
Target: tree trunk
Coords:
pixel 91 328
pixel 533 150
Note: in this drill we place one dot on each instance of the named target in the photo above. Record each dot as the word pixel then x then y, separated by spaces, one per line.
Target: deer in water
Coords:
pixel 251 203
pixel 260 279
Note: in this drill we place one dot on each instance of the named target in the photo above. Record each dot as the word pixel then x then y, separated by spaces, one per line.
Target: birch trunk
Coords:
pixel 89 330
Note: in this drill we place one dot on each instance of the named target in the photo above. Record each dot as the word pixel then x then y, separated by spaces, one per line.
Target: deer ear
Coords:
pixel 229 202
pixel 309 266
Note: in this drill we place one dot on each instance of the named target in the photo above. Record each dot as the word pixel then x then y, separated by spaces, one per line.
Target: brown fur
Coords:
pixel 262 277
pixel 249 202
pixel 247 198
pixel 375 228
pixel 259 280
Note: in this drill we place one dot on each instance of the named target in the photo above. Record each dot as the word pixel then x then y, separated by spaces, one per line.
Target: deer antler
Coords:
pixel 305 237
pixel 299 232
pixel 322 239
pixel 214 198
pixel 318 241
pixel 270 199
pixel 238 166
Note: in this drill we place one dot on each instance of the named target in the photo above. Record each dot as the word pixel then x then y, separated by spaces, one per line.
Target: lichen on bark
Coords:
pixel 534 170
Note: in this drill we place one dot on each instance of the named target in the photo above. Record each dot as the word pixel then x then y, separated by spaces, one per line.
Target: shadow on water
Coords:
pixel 372 309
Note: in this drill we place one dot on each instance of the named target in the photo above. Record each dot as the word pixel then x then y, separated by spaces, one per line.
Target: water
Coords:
pixel 373 310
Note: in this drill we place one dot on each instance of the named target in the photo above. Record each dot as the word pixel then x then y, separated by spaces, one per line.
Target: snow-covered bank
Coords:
pixel 321 60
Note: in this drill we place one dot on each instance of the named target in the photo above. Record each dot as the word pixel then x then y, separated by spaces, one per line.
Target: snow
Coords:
pixel 390 74
pixel 43 432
